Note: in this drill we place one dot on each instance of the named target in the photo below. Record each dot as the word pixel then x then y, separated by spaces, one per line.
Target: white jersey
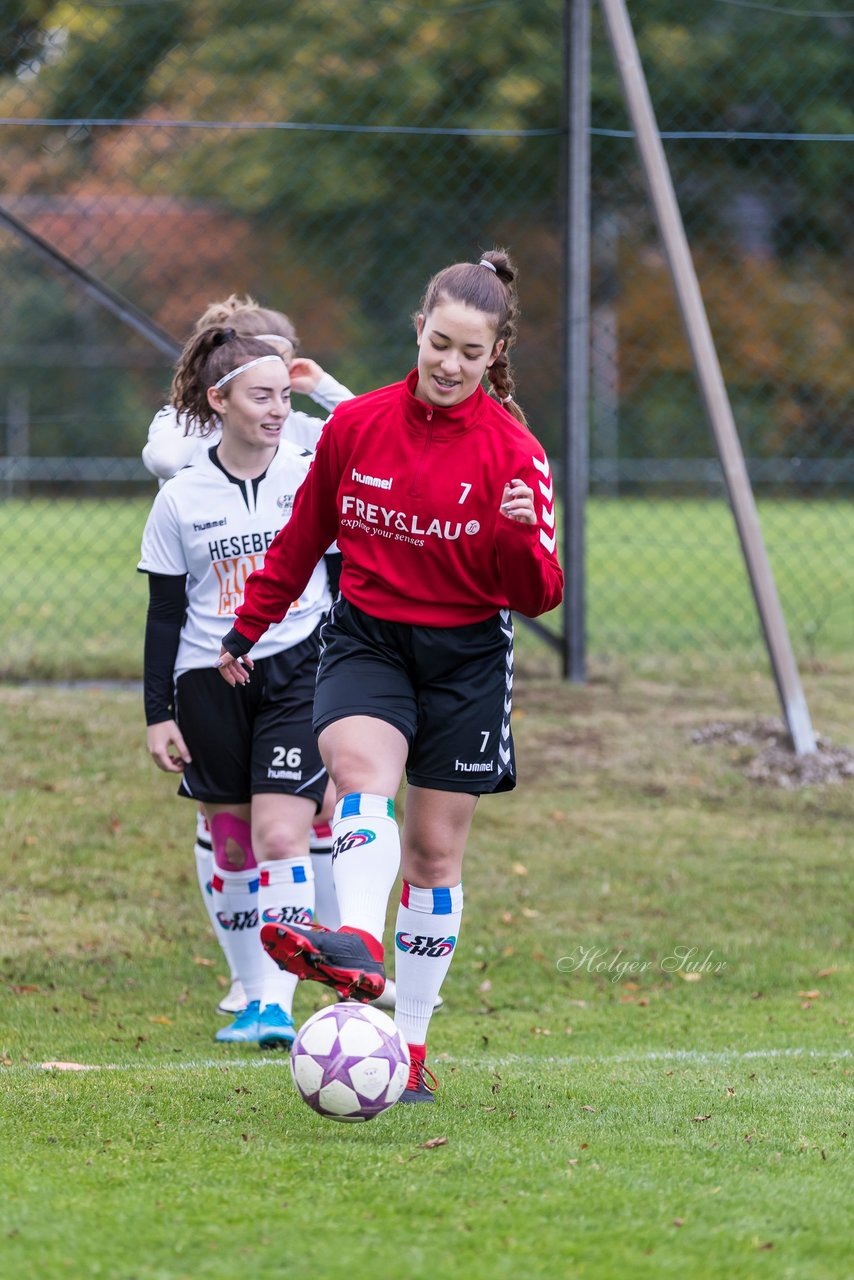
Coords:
pixel 216 530
pixel 168 448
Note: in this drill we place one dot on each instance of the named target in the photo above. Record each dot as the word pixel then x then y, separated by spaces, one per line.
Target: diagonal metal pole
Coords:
pixel 89 285
pixel 708 373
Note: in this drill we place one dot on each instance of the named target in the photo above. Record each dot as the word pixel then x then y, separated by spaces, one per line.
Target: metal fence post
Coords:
pixel 708 372
pixel 576 310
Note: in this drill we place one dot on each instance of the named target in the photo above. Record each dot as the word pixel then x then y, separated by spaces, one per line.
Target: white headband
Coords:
pixel 241 368
pixel 272 337
pixel 484 263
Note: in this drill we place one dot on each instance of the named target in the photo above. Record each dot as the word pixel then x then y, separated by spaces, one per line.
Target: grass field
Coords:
pixel 665 578
pixel 687 1116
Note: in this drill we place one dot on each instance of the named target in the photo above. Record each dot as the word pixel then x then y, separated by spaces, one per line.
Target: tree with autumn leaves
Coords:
pixel 354 208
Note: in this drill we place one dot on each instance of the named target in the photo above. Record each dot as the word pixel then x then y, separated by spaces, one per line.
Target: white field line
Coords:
pixel 685 1057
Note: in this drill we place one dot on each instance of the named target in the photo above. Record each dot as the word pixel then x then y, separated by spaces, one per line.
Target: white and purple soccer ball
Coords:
pixel 350 1062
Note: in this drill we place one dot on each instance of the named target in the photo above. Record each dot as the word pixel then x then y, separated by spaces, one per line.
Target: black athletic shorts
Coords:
pixel 256 737
pixel 447 689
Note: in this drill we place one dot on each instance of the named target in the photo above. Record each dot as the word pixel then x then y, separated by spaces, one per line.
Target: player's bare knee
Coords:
pixel 231 838
pixel 430 869
pixel 282 840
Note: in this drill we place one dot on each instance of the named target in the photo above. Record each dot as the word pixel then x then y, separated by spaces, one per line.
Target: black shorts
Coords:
pixel 255 738
pixel 447 689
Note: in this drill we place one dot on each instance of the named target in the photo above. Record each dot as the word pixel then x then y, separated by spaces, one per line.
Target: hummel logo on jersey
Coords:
pixel 352 841
pixel 420 944
pixel 373 481
pixel 474 766
pixel 200 525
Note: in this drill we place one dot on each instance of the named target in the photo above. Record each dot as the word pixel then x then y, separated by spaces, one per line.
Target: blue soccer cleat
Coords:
pixel 244 1029
pixel 276 1028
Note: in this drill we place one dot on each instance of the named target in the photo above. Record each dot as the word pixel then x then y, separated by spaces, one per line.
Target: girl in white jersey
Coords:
pixel 251 760
pixel 173 442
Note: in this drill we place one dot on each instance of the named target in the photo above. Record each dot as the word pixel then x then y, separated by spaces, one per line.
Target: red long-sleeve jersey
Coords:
pixel 412 492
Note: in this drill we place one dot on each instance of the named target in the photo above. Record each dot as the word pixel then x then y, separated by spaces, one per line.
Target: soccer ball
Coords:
pixel 349 1062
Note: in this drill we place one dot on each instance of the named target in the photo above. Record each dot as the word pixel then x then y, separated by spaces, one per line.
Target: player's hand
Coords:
pixel 166 747
pixel 305 375
pixel 517 502
pixel 233 670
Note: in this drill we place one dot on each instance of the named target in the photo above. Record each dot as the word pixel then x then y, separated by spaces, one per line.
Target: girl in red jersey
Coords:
pixel 442 504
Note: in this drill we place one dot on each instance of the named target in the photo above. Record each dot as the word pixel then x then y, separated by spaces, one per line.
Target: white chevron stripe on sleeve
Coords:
pixel 548 543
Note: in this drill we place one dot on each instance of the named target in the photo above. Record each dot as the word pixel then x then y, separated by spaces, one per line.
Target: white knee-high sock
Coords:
pixel 285 896
pixel 325 901
pixel 365 859
pixel 203 851
pixel 235 895
pixel 425 937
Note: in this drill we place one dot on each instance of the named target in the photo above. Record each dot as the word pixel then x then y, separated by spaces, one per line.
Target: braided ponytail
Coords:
pixel 488 285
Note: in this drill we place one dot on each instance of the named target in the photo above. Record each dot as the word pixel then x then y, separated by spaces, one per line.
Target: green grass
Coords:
pixel 597 1125
pixel 665 578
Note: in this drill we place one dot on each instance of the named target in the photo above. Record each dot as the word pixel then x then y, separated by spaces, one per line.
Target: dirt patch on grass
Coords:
pixel 768 756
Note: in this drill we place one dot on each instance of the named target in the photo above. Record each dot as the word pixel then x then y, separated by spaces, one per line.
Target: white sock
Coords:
pixel 285 896
pixel 203 850
pixel 235 895
pixel 325 901
pixel 366 860
pixel 425 936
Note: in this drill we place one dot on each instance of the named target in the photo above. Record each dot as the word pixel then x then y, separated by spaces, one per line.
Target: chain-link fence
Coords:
pixel 326 156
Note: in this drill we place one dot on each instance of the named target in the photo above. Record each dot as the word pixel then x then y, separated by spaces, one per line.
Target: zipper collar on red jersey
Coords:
pixel 441 422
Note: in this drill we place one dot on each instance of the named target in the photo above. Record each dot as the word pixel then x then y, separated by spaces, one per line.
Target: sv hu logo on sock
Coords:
pixel 287 915
pixel 238 921
pixel 421 944
pixel 351 841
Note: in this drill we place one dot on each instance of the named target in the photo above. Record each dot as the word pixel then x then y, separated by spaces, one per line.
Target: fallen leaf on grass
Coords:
pixel 484 987
pixel 529 913
pixel 67 1066
pixel 700 1119
pixel 207 964
pixel 588 1108
pixel 519 869
pixel 434 1142
pixel 24 989
pixel 678 1222
pixel 160 1019
pixel 809 995
pixel 690 977
pixel 767 1244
